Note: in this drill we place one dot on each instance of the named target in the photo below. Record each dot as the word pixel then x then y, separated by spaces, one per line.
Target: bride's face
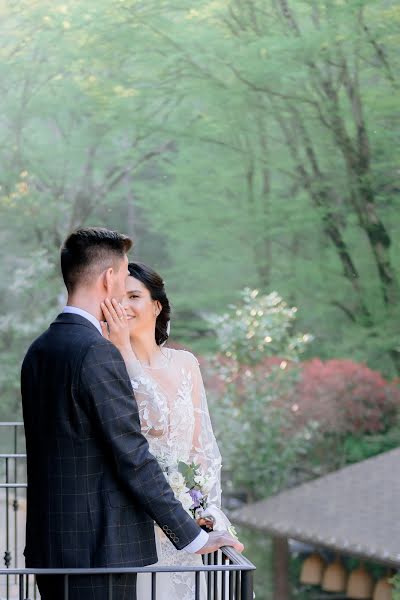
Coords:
pixel 141 309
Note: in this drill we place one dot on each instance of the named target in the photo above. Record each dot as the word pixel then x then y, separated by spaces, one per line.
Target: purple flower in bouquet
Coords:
pixel 196 496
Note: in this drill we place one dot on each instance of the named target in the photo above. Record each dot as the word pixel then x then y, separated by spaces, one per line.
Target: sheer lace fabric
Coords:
pixel 176 422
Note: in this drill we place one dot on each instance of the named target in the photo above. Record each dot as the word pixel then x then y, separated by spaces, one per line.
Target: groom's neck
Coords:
pixel 87 302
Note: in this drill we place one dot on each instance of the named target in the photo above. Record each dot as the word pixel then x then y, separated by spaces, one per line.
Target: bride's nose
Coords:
pixel 124 302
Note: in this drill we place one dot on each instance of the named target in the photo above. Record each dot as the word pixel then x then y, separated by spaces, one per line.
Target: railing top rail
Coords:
pixel 236 557
pixel 115 571
pixel 237 560
pixel 13 485
pixel 12 455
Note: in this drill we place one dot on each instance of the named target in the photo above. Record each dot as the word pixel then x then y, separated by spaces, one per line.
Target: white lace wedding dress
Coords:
pixel 176 422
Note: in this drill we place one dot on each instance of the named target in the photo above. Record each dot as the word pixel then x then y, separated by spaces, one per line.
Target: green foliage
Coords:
pixel 334 451
pixel 259 551
pixel 261 447
pixel 358 448
pixel 257 431
pixel 34 290
pixel 257 327
pixel 276 110
pixel 395 581
pixel 189 472
pixel 233 141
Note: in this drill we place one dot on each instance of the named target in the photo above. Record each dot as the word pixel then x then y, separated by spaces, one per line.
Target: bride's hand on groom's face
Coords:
pixel 217 539
pixel 115 328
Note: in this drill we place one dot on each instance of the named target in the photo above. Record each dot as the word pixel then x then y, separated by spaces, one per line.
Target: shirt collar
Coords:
pixel 83 313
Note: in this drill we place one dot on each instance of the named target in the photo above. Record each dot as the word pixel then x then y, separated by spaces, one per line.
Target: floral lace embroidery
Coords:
pixel 175 420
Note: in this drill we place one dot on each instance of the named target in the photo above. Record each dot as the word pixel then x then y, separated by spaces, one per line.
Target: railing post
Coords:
pixel 7 553
pixel 215 578
pixel 230 585
pixel 66 587
pixel 110 587
pixel 246 586
pixel 21 587
pixel 15 503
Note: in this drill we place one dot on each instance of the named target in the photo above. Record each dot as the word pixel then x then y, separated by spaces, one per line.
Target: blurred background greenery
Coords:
pixel 242 144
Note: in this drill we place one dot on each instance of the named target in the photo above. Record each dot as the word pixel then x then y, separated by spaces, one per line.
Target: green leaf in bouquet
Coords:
pixel 189 472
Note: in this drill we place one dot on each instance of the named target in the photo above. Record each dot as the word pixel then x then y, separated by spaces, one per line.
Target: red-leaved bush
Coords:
pixel 344 396
pixel 341 395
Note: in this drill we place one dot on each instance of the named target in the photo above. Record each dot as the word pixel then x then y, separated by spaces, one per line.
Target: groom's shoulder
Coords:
pixel 65 340
pixel 101 351
pixel 38 343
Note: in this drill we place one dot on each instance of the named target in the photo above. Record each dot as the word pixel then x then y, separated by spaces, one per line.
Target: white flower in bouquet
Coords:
pixel 200 480
pixel 186 501
pixel 177 482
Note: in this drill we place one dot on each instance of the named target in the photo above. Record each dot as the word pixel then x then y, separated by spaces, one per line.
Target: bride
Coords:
pixel 174 416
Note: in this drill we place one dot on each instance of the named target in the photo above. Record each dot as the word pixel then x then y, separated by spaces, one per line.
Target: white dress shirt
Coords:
pixel 202 538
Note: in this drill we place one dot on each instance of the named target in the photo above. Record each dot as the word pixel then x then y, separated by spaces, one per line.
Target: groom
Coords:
pixel 94 490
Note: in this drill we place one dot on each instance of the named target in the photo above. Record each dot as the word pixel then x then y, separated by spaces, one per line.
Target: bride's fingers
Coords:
pixel 104 330
pixel 114 310
pixel 118 309
pixel 111 320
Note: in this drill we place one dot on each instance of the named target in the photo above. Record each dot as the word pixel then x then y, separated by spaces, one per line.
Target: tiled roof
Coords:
pixel 355 510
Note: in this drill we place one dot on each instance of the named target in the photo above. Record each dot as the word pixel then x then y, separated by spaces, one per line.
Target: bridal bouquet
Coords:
pixel 190 487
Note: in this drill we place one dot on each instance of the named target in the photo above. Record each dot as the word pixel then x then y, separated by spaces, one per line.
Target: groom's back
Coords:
pixel 80 512
pixel 49 370
pixel 60 444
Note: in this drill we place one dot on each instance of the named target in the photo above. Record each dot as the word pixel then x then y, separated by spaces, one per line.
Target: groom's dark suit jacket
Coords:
pixel 94 490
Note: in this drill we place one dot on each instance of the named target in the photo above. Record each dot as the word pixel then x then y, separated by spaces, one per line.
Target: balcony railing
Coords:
pixel 228 574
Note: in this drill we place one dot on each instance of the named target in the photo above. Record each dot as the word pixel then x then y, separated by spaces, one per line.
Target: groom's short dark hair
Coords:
pixel 88 251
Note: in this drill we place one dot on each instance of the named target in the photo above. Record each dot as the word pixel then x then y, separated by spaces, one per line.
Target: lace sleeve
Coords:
pixel 152 410
pixel 205 450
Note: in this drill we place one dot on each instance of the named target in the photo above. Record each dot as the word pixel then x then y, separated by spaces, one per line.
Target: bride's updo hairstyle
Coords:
pixel 154 283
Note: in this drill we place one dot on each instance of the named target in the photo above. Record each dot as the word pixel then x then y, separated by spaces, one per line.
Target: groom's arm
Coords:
pixel 104 382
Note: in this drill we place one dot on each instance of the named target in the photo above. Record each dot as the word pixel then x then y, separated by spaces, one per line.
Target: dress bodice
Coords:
pixel 175 420
pixel 174 415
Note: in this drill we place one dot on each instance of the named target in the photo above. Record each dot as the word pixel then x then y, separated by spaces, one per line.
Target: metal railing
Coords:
pixel 228 575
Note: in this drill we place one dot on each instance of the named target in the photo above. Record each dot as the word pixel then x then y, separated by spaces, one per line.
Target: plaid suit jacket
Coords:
pixel 94 490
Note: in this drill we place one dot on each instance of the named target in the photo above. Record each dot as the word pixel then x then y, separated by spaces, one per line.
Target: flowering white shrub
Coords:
pixel 255 422
pixel 258 326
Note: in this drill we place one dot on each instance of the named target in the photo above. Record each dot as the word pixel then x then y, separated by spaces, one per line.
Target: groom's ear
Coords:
pixel 108 280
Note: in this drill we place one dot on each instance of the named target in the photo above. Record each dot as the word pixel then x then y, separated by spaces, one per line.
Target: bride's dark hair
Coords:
pixel 154 283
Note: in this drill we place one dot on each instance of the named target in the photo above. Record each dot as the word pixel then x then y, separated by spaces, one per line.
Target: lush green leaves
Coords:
pixel 241 145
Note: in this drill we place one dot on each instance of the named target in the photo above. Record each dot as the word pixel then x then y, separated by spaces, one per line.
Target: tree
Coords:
pixel 70 153
pixel 295 77
pixel 262 442
pixel 240 143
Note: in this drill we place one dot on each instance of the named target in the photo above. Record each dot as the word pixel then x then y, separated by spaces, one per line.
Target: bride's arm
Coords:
pixel 205 451
pixel 151 413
